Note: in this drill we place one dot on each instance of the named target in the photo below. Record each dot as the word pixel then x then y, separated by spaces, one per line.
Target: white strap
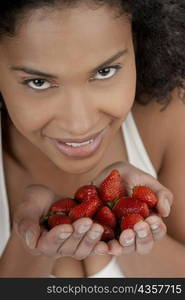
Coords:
pixel 4 209
pixel 136 150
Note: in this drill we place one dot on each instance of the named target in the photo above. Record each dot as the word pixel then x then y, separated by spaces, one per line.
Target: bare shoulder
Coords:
pixel 168 131
pixel 158 128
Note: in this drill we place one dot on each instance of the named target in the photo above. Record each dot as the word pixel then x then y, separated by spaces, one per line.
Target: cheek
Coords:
pixel 118 99
pixel 24 117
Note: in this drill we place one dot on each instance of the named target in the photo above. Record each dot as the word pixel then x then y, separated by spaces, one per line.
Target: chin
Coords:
pixel 79 167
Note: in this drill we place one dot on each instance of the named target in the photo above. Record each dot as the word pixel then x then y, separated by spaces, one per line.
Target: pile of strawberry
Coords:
pixel 108 205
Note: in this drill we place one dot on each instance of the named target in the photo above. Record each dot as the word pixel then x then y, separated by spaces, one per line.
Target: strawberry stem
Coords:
pixel 110 204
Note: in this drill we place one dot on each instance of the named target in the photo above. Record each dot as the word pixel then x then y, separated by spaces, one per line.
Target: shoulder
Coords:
pixel 158 128
pixel 164 135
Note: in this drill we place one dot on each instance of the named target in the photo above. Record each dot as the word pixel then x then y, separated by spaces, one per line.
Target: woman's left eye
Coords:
pixel 38 84
pixel 107 72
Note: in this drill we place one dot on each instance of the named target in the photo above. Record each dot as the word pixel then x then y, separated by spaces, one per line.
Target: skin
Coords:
pixel 75 104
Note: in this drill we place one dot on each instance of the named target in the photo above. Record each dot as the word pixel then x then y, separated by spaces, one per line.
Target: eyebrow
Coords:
pixel 33 72
pixel 110 60
pixel 42 74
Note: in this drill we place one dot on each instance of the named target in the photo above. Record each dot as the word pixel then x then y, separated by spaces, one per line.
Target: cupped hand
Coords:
pixel 77 240
pixel 83 238
pixel 141 238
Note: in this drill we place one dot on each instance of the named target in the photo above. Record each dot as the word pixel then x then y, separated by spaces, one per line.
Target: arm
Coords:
pixel 167 259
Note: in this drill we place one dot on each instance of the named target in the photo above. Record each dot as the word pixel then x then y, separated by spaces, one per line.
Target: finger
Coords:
pixel 165 201
pixel 50 241
pixel 89 241
pixel 114 247
pixel 36 202
pixel 144 238
pixel 157 227
pixel 80 227
pixel 100 248
pixel 127 241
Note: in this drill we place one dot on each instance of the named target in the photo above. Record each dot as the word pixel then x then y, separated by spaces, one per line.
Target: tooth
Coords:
pixel 79 144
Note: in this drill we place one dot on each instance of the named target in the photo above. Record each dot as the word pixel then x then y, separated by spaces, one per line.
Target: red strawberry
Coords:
pixel 63 205
pixel 127 206
pixel 130 220
pixel 105 216
pixel 55 220
pixel 111 188
pixel 144 193
pixel 85 209
pixel 86 192
pixel 108 233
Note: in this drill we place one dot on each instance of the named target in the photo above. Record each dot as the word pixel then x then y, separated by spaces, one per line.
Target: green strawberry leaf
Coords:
pixel 111 204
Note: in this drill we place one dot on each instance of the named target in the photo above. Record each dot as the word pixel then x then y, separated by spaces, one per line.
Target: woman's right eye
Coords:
pixel 38 84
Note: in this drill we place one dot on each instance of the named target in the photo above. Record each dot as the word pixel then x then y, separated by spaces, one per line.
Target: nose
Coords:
pixel 76 113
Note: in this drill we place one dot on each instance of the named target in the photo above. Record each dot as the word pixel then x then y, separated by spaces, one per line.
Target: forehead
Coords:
pixel 48 35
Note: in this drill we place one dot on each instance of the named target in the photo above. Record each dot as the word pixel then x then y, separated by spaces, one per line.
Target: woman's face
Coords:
pixel 67 76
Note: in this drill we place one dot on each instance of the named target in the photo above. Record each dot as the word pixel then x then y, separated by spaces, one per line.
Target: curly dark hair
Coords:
pixel 159 34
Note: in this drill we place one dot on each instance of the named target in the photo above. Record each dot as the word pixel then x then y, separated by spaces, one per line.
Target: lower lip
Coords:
pixel 81 151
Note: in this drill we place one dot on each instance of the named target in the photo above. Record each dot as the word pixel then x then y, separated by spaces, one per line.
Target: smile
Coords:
pixel 80 144
pixel 80 150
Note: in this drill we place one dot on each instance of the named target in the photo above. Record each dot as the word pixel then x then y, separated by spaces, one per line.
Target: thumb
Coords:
pixel 37 200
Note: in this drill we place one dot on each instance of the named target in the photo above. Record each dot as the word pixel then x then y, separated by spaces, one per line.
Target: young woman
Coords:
pixel 74 76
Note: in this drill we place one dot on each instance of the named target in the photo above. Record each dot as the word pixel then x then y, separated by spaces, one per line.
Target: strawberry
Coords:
pixel 62 205
pixel 86 192
pixel 105 216
pixel 145 194
pixel 108 233
pixel 128 205
pixel 111 187
pixel 55 220
pixel 130 220
pixel 85 209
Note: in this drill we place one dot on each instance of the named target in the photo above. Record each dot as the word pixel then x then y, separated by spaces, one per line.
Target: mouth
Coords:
pixel 82 149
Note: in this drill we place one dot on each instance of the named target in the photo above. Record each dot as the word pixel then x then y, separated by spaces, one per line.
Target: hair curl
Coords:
pixel 159 33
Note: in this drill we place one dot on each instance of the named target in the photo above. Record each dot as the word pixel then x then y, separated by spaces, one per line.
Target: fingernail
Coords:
pixel 30 239
pixel 166 205
pixel 94 234
pixel 83 228
pixel 142 233
pixel 154 226
pixel 64 235
pixel 128 242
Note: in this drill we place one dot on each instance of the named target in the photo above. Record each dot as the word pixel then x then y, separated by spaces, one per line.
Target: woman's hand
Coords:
pixel 78 240
pixel 140 239
pixel 82 238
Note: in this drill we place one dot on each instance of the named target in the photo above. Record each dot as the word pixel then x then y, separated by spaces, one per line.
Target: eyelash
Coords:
pixel 116 67
pixel 27 81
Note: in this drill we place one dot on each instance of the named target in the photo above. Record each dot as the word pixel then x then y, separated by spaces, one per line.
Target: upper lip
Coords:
pixel 93 136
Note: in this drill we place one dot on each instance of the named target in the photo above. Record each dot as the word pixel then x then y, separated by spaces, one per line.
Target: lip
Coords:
pixel 80 140
pixel 82 151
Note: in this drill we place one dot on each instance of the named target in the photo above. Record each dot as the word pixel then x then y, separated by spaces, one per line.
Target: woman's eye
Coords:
pixel 38 84
pixel 106 73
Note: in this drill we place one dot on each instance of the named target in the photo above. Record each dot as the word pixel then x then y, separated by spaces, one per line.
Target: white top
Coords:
pixel 137 156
